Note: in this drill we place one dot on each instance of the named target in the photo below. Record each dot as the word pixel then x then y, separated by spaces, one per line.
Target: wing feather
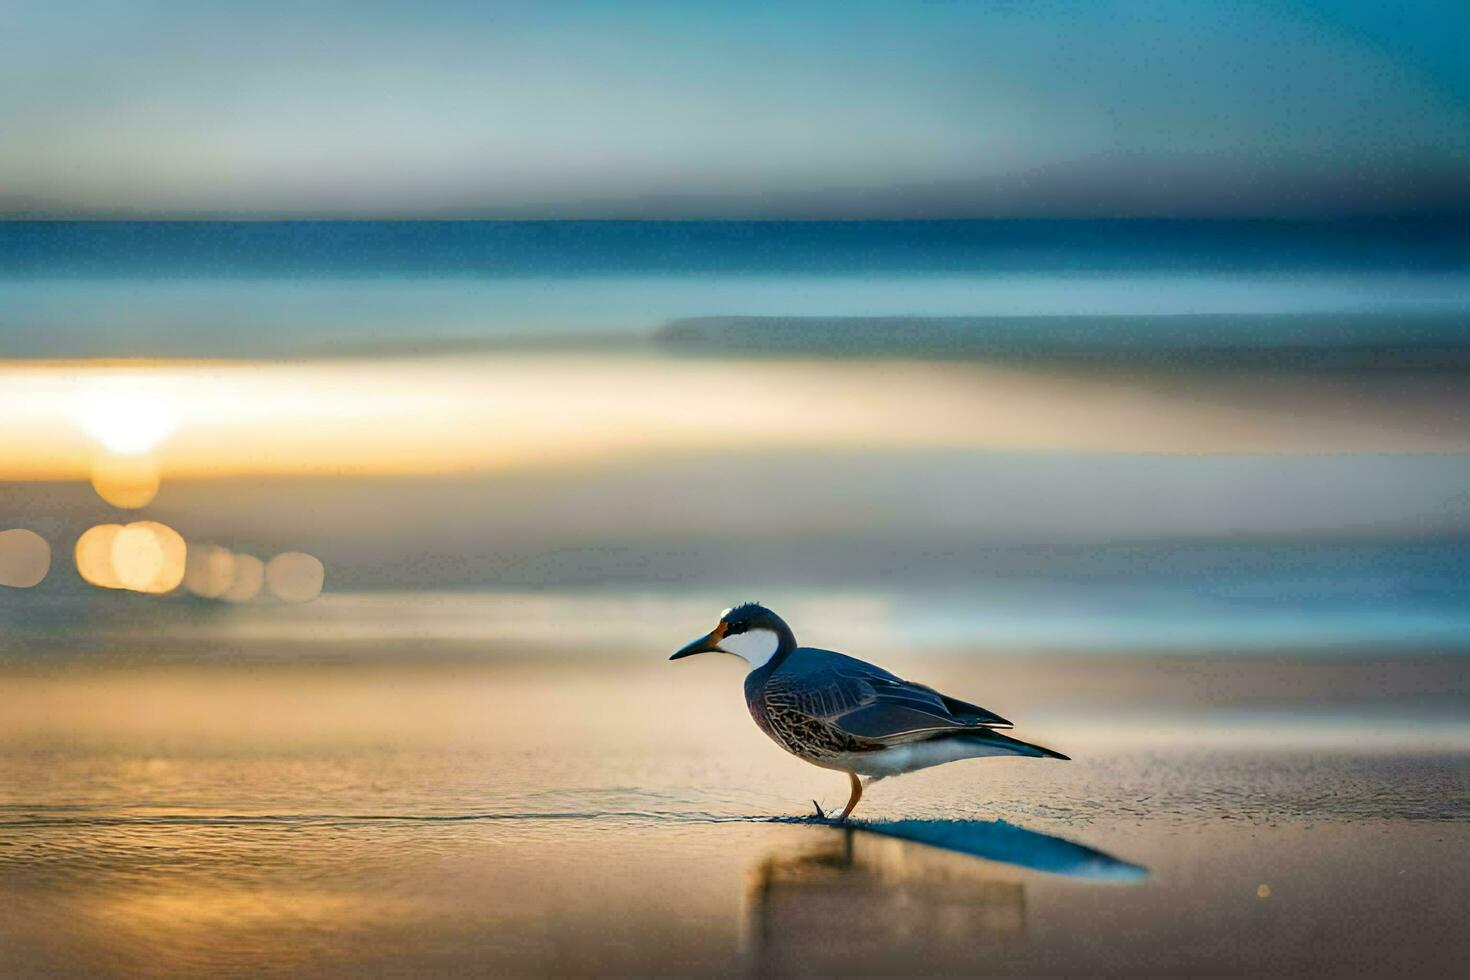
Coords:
pixel 868 702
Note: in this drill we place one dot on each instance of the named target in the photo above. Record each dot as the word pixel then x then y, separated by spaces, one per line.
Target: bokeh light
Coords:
pixel 209 571
pixel 94 556
pixel 149 557
pixel 175 557
pixel 144 556
pixel 249 577
pixel 294 576
pixel 137 556
pixel 125 481
pixel 25 558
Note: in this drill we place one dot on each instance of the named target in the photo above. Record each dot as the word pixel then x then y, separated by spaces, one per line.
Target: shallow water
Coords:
pixel 581 817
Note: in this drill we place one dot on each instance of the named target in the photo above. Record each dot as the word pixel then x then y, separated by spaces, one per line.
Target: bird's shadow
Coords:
pixel 901 896
pixel 998 841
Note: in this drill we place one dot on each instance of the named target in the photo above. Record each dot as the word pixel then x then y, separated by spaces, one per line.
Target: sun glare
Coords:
pixel 126 420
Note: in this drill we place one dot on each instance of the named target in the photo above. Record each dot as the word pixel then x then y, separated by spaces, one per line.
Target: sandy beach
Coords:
pixel 581 817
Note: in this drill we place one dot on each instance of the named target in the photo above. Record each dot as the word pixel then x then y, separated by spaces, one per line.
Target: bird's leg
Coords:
pixel 857 794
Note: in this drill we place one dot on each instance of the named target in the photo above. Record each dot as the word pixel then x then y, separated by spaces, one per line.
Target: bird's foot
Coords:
pixel 821 815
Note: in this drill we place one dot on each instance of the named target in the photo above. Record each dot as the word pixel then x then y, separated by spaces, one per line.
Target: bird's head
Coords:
pixel 751 632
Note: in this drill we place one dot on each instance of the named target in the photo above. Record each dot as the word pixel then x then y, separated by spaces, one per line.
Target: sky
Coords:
pixel 828 110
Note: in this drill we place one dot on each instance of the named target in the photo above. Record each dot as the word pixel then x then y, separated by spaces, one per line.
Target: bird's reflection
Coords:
pixel 869 892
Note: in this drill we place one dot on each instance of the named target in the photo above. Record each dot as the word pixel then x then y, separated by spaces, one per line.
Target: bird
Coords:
pixel 841 713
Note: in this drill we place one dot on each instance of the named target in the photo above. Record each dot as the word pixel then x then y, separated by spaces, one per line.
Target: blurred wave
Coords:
pixel 272 289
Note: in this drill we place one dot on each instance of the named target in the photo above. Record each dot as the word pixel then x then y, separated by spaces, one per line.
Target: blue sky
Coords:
pixel 735 109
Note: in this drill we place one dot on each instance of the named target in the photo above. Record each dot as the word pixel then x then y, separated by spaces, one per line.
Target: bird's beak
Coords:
pixel 709 643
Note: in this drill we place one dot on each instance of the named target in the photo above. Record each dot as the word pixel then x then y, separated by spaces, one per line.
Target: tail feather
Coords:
pixel 990 736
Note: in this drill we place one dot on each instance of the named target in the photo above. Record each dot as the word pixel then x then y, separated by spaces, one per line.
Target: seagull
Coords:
pixel 842 713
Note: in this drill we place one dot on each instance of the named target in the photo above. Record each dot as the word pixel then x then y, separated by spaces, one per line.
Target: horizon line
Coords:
pixel 1449 215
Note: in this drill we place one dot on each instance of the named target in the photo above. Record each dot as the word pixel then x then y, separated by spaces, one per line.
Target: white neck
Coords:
pixel 755 647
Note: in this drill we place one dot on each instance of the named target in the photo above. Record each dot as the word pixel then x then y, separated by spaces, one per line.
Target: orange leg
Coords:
pixel 857 794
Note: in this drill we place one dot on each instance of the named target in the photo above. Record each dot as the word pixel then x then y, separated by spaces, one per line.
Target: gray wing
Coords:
pixel 870 703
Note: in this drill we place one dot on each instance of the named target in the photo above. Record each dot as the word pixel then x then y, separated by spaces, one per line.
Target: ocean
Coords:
pixel 269 288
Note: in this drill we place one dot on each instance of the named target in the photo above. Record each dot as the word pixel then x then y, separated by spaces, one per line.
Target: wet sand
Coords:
pixel 572 817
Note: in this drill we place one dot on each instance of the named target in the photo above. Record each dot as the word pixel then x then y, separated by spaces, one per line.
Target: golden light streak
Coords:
pixel 446 415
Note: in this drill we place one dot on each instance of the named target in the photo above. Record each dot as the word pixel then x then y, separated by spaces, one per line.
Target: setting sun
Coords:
pixel 124 418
